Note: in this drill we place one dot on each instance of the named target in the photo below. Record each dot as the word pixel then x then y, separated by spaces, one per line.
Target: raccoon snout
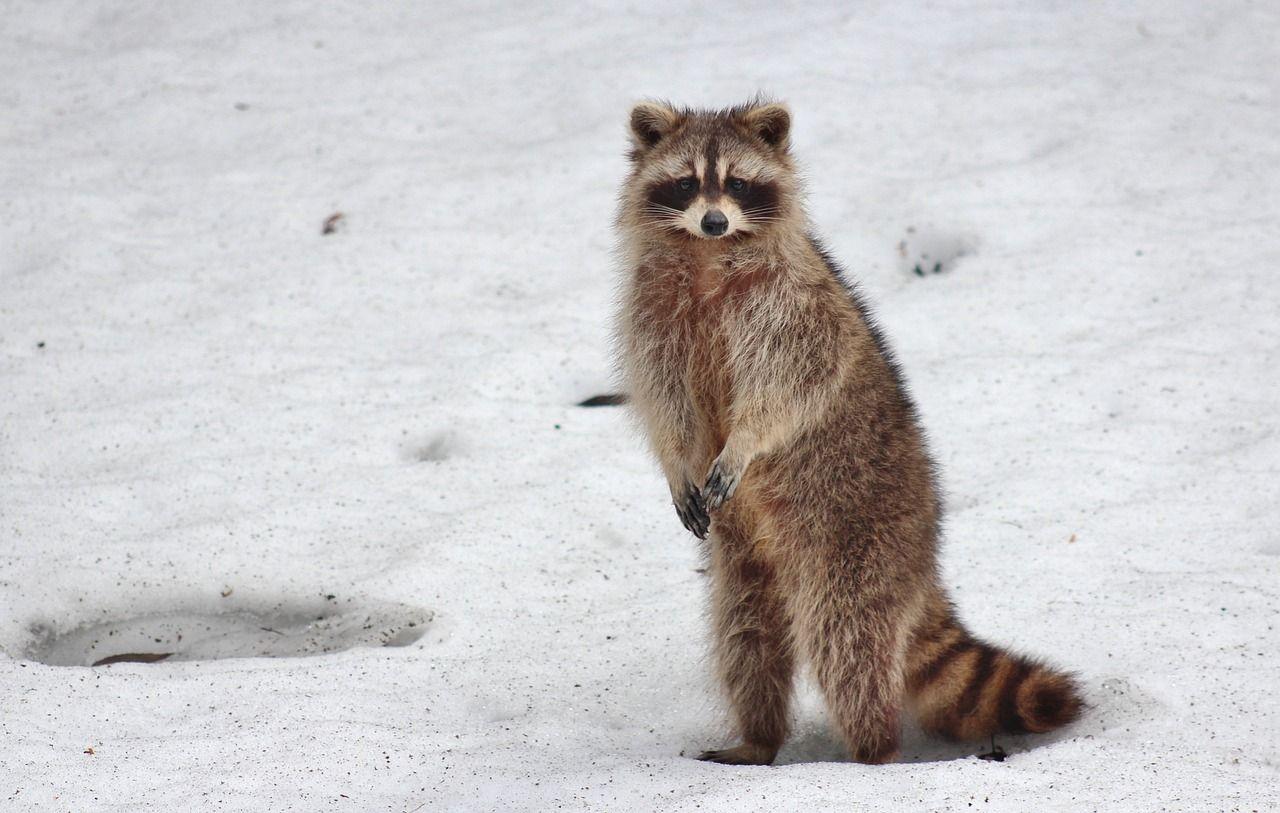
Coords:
pixel 715 223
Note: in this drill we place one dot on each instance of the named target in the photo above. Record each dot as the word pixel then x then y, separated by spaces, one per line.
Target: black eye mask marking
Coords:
pixel 669 193
pixel 758 198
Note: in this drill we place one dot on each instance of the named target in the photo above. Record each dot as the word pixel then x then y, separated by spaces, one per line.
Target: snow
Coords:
pixel 201 394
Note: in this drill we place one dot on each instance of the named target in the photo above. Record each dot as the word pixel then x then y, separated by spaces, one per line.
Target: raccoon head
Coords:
pixel 710 175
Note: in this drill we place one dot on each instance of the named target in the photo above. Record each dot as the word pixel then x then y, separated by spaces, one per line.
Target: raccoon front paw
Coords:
pixel 693 511
pixel 722 481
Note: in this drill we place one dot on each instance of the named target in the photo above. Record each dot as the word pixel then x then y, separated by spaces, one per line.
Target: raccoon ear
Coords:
pixel 650 123
pixel 771 123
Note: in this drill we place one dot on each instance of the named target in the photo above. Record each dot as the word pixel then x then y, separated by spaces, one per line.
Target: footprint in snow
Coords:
pixel 284 632
pixel 924 251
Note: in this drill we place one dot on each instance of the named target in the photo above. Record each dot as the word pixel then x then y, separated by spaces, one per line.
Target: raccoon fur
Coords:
pixel 789 442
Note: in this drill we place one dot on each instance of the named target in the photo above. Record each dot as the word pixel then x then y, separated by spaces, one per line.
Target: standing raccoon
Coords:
pixel 784 431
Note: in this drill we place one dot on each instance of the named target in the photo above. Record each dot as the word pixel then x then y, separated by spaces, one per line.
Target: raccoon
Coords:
pixel 780 420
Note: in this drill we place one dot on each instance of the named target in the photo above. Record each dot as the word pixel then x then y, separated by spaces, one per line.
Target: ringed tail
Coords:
pixel 966 689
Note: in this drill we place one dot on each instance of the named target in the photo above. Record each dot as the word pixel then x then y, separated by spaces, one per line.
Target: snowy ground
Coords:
pixel 202 395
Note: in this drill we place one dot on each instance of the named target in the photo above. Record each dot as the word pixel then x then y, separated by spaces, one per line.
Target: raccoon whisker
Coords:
pixel 667 220
pixel 661 227
pixel 658 208
pixel 664 221
pixel 662 218
pixel 664 226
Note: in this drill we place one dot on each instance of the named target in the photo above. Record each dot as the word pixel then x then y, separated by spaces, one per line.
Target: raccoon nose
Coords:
pixel 715 223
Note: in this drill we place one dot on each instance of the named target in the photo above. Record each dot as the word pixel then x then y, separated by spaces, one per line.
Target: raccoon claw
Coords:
pixel 720 486
pixel 693 513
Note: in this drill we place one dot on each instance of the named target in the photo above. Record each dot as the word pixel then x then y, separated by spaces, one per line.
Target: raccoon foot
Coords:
pixel 693 512
pixel 722 481
pixel 745 754
pixel 884 756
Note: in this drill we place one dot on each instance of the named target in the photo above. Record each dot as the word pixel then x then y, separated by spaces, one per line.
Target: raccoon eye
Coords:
pixel 737 184
pixel 687 184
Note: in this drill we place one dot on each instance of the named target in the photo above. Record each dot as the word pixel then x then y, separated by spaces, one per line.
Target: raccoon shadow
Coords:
pixel 819 744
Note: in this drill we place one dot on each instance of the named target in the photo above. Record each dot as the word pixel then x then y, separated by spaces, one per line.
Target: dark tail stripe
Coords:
pixel 1008 716
pixel 934 669
pixel 981 674
pixel 964 694
pixel 1055 704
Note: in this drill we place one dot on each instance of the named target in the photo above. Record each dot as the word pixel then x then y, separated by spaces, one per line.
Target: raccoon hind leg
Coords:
pixel 854 631
pixel 753 646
